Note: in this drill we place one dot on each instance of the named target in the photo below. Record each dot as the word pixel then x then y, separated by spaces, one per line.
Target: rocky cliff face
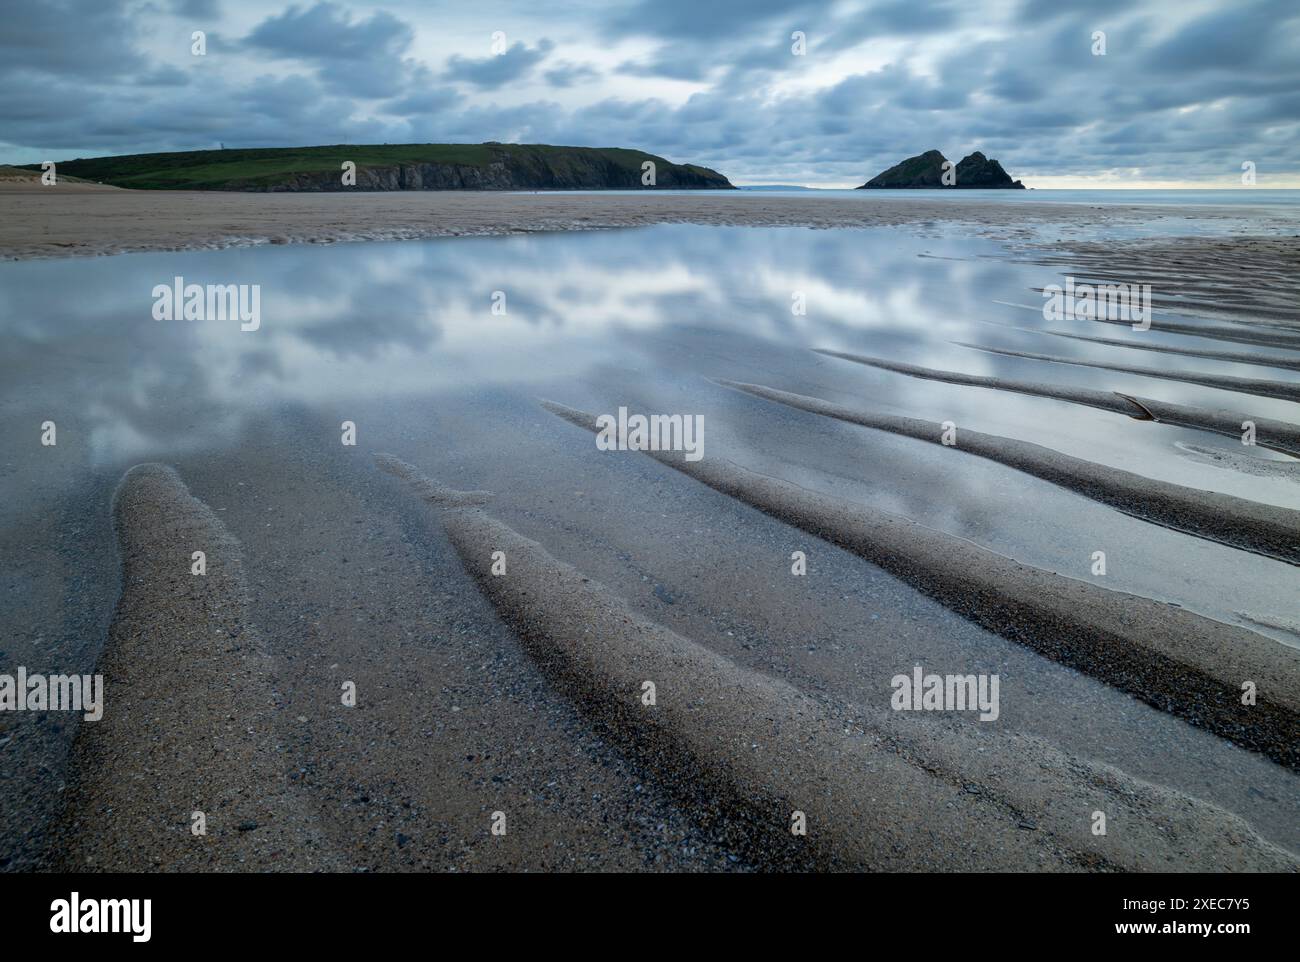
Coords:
pixel 976 170
pixel 512 169
pixel 923 170
pixel 926 171
pixel 488 166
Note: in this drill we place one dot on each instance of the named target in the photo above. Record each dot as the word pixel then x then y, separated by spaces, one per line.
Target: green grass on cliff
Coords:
pixel 259 167
pixel 33 172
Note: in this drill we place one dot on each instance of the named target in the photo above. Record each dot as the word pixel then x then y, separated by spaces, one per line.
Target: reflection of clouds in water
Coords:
pixel 257 364
pixel 115 436
pixel 827 303
pixel 597 319
pixel 414 318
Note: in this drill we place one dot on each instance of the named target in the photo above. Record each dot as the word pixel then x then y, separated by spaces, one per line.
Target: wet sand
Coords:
pixel 187 772
pixel 738 750
pixel 78 220
pixel 1244 524
pixel 1197 284
pixel 481 694
pixel 1272 433
pixel 1178 661
pixel 1236 357
pixel 762 751
pixel 206 716
pixel 1257 387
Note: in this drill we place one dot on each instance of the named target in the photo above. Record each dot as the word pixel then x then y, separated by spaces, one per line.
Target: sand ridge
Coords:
pixel 1249 525
pixel 1234 357
pixel 1270 432
pixel 188 724
pixel 1258 387
pixel 1180 662
pixel 751 750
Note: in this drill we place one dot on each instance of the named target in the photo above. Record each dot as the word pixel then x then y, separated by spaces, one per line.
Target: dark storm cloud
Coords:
pixel 671 64
pixel 1181 92
pixel 328 32
pixel 68 38
pixel 1035 11
pixel 692 19
pixel 496 70
pixel 202 9
pixel 568 74
pixel 1239 38
pixel 359 56
pixel 889 18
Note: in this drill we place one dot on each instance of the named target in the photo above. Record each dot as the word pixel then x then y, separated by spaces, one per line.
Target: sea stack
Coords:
pixel 975 171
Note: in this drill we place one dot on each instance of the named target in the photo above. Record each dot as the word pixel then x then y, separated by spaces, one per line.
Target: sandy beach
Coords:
pixel 82 219
pixel 515 697
pixel 68 220
pixel 649 438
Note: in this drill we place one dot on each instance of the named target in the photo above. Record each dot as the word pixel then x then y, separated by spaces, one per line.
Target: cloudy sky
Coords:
pixel 1186 92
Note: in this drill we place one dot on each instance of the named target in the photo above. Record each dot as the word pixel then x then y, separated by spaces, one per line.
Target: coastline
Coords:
pixel 89 220
pixel 468 706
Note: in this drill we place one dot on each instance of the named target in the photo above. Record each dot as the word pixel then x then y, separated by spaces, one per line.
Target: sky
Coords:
pixel 765 91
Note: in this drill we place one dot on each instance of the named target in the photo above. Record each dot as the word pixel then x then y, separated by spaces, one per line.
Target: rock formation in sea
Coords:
pixel 926 170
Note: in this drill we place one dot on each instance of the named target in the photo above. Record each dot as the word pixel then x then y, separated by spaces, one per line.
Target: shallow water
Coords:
pixel 401 339
pixel 1259 197
pixel 669 306
pixel 644 318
